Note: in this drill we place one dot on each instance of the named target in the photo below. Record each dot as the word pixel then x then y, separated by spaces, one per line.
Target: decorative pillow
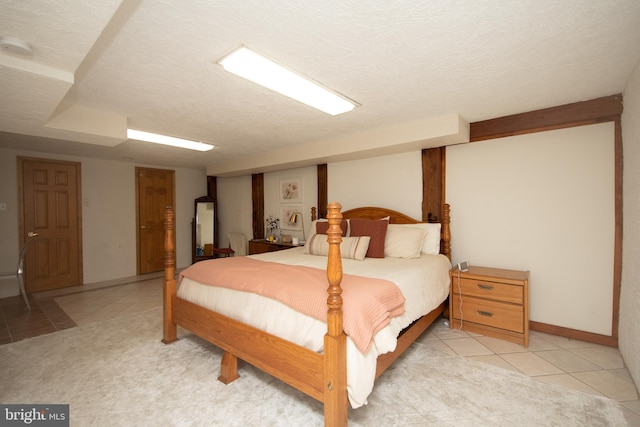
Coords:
pixel 376 229
pixel 404 242
pixel 431 244
pixel 351 247
pixel 323 227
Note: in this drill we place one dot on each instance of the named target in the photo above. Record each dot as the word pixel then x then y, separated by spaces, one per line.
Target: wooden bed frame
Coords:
pixel 321 376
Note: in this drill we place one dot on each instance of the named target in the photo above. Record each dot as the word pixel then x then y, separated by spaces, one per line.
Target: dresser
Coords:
pixel 492 302
pixel 260 246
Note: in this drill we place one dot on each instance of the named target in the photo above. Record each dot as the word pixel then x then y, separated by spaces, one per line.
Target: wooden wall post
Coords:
pixel 323 184
pixel 433 183
pixel 212 191
pixel 257 199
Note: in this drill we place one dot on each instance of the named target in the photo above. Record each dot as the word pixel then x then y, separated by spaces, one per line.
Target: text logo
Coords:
pixel 54 415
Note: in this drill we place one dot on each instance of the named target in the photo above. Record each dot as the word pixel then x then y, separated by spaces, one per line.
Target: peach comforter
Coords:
pixel 369 304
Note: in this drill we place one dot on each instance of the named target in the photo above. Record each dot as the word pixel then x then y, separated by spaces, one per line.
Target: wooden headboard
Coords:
pixel 378 213
pixel 395 217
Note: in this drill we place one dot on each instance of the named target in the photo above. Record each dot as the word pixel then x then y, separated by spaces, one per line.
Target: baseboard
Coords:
pixel 575 334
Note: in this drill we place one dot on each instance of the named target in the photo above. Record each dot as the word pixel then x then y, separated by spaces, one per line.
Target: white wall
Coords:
pixel 629 336
pixel 108 220
pixel 235 208
pixel 272 201
pixel 542 202
pixel 108 216
pixel 393 182
pixel 9 246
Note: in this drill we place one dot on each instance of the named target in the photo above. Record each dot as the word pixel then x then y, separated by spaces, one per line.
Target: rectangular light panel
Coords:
pixel 167 140
pixel 258 69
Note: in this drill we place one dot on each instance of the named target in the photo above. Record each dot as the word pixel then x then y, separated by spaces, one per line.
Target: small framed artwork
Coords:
pixel 291 218
pixel 291 190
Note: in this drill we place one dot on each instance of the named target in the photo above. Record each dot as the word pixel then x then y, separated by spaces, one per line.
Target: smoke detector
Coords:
pixel 15 45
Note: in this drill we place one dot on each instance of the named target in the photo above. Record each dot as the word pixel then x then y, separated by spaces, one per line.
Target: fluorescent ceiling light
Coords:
pixel 167 140
pixel 251 66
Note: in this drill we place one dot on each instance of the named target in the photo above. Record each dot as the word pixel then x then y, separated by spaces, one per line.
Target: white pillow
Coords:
pixel 351 247
pixel 431 244
pixel 404 241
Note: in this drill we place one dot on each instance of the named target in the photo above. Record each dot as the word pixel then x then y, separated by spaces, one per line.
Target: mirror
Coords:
pixel 204 229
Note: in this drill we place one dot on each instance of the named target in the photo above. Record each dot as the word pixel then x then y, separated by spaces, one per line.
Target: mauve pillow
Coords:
pixel 376 229
pixel 323 227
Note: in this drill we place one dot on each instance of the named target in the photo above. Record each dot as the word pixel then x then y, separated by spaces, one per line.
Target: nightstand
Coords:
pixel 491 301
pixel 260 246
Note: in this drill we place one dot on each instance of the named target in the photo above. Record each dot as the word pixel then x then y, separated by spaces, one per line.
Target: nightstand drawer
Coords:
pixel 490 313
pixel 492 290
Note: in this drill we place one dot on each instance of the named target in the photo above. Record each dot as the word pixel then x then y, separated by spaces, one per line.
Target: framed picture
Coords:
pixel 285 215
pixel 291 190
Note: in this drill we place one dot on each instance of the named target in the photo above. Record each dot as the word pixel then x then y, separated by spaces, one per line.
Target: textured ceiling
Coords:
pixel 151 64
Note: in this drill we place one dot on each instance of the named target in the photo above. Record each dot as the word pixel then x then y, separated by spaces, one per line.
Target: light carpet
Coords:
pixel 118 373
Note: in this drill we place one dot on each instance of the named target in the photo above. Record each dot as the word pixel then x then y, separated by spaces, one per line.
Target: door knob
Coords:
pixel 32 234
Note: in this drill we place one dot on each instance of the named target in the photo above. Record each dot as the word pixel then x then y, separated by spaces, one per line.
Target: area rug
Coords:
pixel 118 373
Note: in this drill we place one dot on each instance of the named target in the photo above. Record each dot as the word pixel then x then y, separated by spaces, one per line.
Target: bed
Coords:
pixel 315 365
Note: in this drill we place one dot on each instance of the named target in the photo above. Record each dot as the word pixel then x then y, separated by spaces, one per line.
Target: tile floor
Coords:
pixel 578 365
pixel 18 323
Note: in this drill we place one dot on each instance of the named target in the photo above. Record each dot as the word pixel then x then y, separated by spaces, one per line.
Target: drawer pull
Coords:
pixel 485 287
pixel 485 313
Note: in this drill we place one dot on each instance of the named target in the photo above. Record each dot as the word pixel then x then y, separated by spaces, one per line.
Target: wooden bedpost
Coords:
pixel 170 330
pixel 446 231
pixel 335 341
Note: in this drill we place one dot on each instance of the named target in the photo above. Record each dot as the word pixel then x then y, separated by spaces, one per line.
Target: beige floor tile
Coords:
pixel 608 384
pixel 622 373
pixel 428 335
pixel 568 381
pixel 443 331
pixel 633 419
pixel 80 309
pixel 531 364
pixel 144 298
pixel 500 346
pixel 567 361
pixel 96 317
pixel 538 342
pixel 143 306
pixel 438 345
pixel 467 346
pixel 566 343
pixel 495 360
pixel 633 405
pixel 605 357
pixel 87 319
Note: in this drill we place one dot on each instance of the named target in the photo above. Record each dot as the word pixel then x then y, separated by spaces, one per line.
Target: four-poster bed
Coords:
pixel 320 374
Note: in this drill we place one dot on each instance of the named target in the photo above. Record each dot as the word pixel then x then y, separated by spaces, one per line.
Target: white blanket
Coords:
pixel 423 281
